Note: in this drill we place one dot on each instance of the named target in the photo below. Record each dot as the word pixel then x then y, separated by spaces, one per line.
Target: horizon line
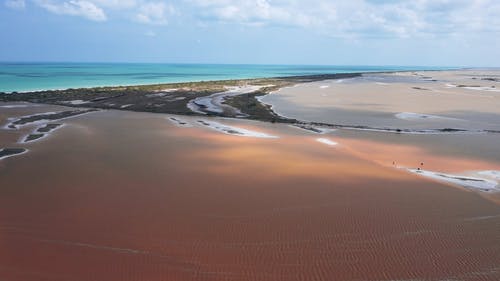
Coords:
pixel 222 63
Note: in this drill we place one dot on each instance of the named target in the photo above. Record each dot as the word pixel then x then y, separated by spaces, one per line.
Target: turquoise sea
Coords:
pixel 23 77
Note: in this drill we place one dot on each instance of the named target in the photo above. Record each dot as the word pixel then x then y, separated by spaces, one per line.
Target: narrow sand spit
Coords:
pixel 474 183
pixel 24 105
pixel 179 122
pixel 313 129
pixel 419 116
pixel 490 174
pixel 326 141
pixel 475 88
pixel 75 102
pixel 232 130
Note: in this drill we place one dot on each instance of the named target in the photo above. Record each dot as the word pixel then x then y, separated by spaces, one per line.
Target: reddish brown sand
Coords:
pixel 128 196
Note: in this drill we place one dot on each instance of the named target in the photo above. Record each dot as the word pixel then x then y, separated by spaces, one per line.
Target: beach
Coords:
pixel 26 77
pixel 382 176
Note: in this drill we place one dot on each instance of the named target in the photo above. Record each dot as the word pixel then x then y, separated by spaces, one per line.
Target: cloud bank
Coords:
pixel 81 8
pixel 342 18
pixel 363 18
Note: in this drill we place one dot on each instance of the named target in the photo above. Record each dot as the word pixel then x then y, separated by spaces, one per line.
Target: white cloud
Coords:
pixel 155 13
pixel 253 12
pixel 116 4
pixel 15 4
pixel 340 18
pixel 150 33
pixel 142 11
pixel 80 8
pixel 359 18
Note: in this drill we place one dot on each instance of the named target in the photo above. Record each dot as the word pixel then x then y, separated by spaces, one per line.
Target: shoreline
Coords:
pixel 266 72
pixel 170 98
pixel 306 76
pixel 237 99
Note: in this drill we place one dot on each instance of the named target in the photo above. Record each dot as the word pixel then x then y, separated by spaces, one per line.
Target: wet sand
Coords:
pixel 380 99
pixel 446 119
pixel 117 195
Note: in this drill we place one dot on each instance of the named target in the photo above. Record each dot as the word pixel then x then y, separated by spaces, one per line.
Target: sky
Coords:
pixel 342 32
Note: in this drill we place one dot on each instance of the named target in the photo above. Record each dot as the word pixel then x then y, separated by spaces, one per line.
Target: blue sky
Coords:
pixel 344 32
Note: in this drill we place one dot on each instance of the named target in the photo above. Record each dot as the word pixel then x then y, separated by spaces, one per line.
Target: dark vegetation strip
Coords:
pixel 6 152
pixel 33 137
pixel 47 116
pixel 48 128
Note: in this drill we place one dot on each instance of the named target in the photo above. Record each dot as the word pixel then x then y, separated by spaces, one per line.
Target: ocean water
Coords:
pixel 23 77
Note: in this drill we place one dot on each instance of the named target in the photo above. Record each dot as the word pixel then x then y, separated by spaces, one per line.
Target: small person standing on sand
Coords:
pixel 421 166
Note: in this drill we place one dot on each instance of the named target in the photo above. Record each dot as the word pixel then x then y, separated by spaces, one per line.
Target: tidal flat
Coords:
pixel 122 194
